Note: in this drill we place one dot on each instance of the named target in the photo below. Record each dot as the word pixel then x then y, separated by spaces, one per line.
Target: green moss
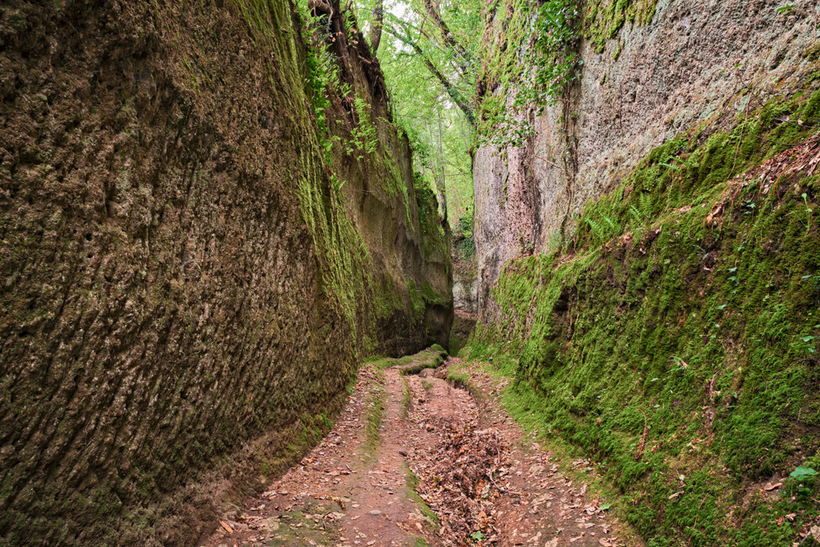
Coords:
pixel 388 301
pixel 375 412
pixel 463 380
pixel 412 364
pixel 812 53
pixel 501 67
pixel 434 238
pixel 416 301
pixel 406 398
pixel 605 18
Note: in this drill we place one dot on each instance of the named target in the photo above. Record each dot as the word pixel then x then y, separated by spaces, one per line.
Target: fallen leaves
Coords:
pixel 340 501
pixel 459 481
pixel 484 486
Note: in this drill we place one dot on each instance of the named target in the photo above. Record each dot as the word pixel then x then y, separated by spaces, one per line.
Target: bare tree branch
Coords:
pixel 447 36
pixel 408 27
pixel 376 26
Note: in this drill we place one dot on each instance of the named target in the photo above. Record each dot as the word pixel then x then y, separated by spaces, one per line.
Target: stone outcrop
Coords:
pixel 465 294
pixel 194 257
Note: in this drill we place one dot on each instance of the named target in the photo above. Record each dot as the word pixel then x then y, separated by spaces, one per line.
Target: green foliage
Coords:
pixel 322 75
pixel 438 131
pixel 464 252
pixel 553 53
pixel 365 138
pixel 546 37
pixel 464 225
pixel 802 472
pixel 440 136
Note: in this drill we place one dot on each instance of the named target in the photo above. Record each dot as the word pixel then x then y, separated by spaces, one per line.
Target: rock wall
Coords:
pixel 686 66
pixel 465 294
pixel 649 262
pixel 193 262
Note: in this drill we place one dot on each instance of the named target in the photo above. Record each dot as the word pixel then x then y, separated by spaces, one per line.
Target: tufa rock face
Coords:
pixel 687 67
pixel 189 271
pixel 465 294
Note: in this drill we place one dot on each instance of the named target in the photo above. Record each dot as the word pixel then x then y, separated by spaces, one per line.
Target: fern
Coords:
pixel 614 229
pixel 636 214
pixel 595 227
pixel 646 204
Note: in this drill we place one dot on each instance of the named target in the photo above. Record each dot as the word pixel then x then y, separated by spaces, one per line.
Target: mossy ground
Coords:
pixel 431 357
pixel 674 341
pixel 305 526
pixel 569 458
pixel 412 486
pixel 375 412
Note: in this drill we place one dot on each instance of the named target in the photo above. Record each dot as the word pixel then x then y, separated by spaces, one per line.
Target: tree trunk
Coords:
pixel 376 26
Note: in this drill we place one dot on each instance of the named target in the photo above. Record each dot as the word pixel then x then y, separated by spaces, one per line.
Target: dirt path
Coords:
pixel 414 461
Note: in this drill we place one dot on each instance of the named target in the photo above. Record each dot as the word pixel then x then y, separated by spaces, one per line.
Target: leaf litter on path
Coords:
pixel 452 472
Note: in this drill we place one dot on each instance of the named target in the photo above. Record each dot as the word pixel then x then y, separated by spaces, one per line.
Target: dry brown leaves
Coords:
pixel 459 482
pixel 802 158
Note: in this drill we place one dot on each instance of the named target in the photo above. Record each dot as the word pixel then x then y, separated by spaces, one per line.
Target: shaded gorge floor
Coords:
pixel 423 454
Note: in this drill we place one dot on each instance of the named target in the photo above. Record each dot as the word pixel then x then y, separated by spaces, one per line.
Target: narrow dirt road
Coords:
pixel 415 461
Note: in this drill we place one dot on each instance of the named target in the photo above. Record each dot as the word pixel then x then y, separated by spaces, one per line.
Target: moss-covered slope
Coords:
pixel 674 340
pixel 187 281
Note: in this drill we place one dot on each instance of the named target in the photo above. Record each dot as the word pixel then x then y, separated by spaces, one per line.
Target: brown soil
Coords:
pixel 486 483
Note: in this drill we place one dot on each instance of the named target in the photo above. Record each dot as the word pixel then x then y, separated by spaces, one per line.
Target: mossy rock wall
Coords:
pixel 649 71
pixel 186 292
pixel 673 340
pixel 648 259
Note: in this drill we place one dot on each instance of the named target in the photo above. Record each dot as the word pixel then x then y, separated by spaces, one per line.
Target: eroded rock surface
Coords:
pixel 189 271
